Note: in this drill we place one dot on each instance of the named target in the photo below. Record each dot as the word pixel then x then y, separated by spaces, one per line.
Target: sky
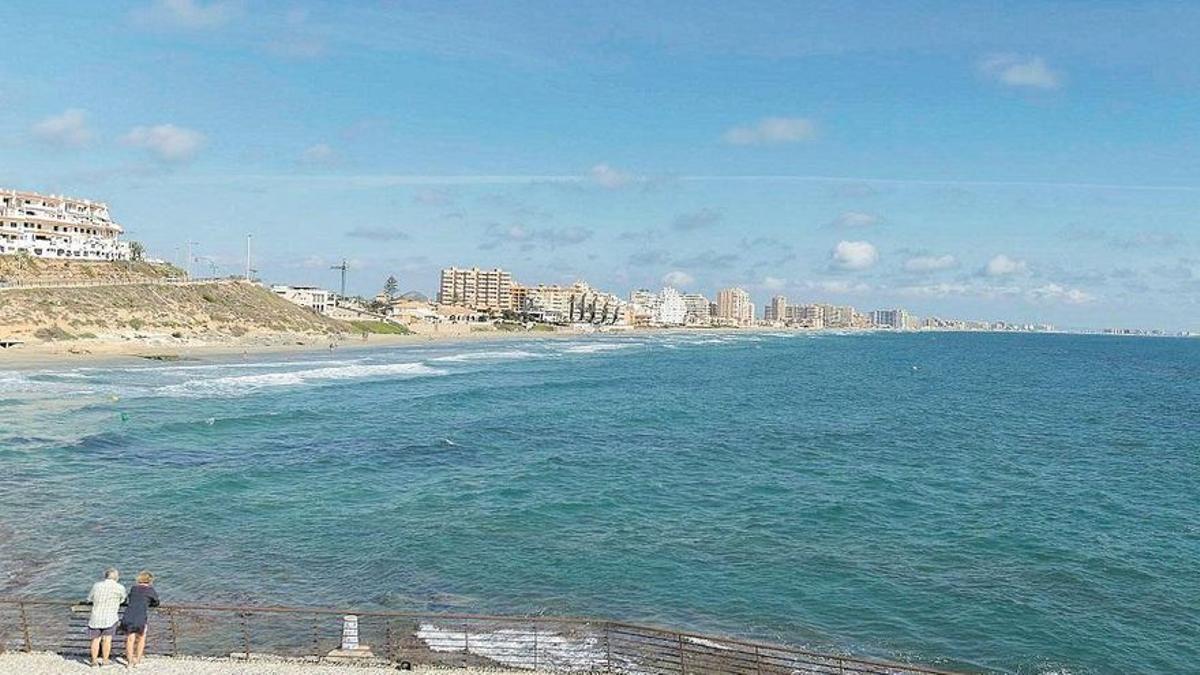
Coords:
pixel 1029 162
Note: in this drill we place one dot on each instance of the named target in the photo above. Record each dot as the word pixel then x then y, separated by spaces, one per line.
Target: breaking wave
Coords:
pixel 242 385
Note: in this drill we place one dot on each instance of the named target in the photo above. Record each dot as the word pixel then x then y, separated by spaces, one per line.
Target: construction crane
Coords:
pixel 343 267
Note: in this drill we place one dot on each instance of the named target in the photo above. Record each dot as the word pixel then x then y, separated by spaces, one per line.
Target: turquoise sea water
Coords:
pixel 1018 503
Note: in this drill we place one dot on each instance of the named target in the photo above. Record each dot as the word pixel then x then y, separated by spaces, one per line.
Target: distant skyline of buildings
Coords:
pixel 487 292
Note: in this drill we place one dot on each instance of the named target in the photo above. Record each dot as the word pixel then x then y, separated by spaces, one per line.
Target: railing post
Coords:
pixel 316 634
pixel 391 641
pixel 25 627
pixel 607 647
pixel 535 646
pixel 246 634
pixel 682 662
pixel 174 631
pixel 466 639
pixel 757 661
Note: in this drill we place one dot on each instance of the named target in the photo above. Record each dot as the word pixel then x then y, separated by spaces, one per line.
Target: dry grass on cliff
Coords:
pixel 204 311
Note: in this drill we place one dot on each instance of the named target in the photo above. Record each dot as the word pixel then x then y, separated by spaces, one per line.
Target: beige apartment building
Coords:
pixel 478 289
pixel 734 306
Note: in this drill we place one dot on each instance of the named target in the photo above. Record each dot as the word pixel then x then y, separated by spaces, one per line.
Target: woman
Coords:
pixel 142 597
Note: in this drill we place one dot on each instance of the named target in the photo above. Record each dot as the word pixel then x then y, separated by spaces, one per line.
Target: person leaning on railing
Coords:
pixel 135 623
pixel 106 597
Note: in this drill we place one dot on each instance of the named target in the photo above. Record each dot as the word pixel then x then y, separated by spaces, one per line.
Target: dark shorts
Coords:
pixel 134 628
pixel 94 633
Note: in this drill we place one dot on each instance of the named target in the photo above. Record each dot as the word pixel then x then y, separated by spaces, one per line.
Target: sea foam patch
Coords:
pixel 242 385
pixel 598 347
pixel 500 355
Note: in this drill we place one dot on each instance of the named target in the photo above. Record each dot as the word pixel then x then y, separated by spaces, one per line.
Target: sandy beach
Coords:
pixel 34 356
pixel 37 355
pixel 41 663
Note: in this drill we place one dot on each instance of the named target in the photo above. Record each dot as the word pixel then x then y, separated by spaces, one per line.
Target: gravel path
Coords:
pixel 53 664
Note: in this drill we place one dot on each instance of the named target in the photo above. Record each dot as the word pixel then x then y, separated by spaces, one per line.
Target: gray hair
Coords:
pixel 112 573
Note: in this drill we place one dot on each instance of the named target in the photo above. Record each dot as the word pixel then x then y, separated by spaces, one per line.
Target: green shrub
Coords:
pixel 380 327
pixel 52 333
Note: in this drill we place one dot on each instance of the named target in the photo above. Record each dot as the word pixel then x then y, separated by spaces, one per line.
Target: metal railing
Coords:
pixel 535 643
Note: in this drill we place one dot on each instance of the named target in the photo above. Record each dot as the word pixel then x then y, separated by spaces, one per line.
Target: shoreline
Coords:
pixel 161 349
pixel 92 352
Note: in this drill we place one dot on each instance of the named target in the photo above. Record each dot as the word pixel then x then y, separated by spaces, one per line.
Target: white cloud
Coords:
pixel 1057 293
pixel 772 130
pixel 166 142
pixel 321 153
pixel 853 219
pixel 838 286
pixel 773 283
pixel 191 14
pixel 1002 266
pixel 854 255
pixel 1020 71
pixel 68 130
pixel 935 290
pixel 930 263
pixel 608 177
pixel 678 278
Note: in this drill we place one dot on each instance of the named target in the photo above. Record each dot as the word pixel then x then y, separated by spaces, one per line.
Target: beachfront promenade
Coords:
pixel 294 637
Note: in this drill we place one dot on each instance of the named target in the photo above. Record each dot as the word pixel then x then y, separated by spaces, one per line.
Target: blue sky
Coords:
pixel 1021 161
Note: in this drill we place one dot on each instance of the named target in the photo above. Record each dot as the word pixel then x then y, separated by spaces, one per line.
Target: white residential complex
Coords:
pixel 665 308
pixel 489 290
pixel 577 303
pixel 317 299
pixel 698 309
pixel 52 226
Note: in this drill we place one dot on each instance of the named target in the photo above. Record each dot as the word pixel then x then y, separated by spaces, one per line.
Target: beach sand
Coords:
pixel 40 663
pixel 34 356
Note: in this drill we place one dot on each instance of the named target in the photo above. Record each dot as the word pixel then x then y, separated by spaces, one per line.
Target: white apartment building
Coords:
pixel 53 226
pixel 895 319
pixel 489 290
pixel 777 310
pixel 698 309
pixel 671 310
pixel 318 300
pixel 734 307
pixel 577 303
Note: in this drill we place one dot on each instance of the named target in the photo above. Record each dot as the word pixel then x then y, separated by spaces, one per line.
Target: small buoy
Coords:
pixel 114 398
pixel 210 421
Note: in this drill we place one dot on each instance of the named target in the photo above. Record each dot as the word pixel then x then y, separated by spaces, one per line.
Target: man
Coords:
pixel 106 597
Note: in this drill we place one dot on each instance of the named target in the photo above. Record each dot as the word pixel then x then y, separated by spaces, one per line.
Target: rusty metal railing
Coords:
pixel 536 643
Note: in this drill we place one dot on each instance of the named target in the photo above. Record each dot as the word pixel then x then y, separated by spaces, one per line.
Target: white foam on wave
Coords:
pixel 516 647
pixel 241 385
pixel 597 347
pixel 504 355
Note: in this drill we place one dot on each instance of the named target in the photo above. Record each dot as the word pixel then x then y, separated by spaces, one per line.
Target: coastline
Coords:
pixel 33 356
pixel 92 352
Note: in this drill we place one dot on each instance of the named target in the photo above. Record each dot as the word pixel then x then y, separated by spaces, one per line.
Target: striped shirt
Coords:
pixel 106 598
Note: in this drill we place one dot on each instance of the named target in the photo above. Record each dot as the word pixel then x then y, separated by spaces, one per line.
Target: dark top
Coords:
pixel 141 598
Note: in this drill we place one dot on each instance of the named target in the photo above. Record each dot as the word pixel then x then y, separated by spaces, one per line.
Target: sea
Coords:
pixel 1013 503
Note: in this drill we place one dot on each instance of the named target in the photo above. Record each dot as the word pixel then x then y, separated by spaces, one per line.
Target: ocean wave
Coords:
pixel 486 356
pixel 598 347
pixel 242 385
pixel 513 647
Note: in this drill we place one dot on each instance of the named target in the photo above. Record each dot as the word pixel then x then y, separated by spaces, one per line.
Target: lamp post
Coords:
pixel 248 238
